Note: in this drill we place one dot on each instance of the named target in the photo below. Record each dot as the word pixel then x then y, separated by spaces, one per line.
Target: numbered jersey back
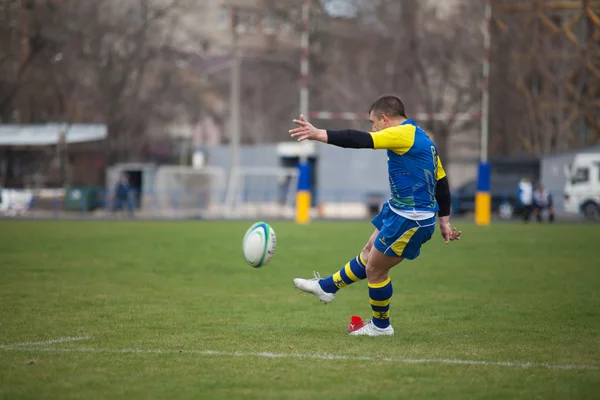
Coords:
pixel 414 166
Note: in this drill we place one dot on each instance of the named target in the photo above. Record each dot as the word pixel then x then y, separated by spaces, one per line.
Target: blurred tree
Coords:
pixel 545 81
pixel 23 45
pixel 121 51
pixel 430 57
pixel 99 61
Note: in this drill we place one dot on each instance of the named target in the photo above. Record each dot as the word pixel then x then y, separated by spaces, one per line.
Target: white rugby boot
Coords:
pixel 371 330
pixel 312 286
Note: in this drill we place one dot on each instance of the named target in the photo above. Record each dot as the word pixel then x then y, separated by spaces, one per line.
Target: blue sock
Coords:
pixel 354 271
pixel 381 295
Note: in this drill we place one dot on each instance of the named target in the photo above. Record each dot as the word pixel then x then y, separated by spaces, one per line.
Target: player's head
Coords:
pixel 386 111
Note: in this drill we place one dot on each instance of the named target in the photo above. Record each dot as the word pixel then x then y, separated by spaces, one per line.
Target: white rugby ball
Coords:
pixel 259 244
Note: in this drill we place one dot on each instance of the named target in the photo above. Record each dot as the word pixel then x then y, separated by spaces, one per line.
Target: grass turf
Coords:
pixel 505 293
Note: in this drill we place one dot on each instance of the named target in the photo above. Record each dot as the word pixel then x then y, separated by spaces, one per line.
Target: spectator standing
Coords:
pixel 542 200
pixel 123 195
pixel 525 193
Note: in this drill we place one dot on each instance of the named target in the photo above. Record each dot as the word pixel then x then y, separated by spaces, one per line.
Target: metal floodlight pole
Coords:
pixel 235 90
pixel 485 96
pixel 304 61
pixel 234 110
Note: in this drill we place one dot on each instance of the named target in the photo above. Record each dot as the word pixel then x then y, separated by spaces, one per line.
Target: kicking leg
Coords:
pixel 353 271
pixel 399 239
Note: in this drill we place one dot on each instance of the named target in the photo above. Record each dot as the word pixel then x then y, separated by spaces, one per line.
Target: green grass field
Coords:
pixel 115 310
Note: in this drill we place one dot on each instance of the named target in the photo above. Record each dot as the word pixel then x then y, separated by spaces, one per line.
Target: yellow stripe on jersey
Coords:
pixel 350 274
pixel 362 259
pixel 399 139
pixel 379 285
pixel 402 241
pixel 381 303
pixel 440 170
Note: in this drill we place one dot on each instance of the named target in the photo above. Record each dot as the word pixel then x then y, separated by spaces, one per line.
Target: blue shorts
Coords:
pixel 399 236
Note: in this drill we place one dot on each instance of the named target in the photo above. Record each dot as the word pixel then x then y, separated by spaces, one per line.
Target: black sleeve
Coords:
pixel 351 139
pixel 443 197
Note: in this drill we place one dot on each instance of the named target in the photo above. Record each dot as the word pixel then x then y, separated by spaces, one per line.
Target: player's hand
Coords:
pixel 307 131
pixel 448 233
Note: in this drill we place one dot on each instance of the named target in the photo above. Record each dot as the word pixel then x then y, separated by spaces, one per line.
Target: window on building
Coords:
pixel 269 25
pixel 582 175
pixel 224 17
pixel 240 20
pixel 252 21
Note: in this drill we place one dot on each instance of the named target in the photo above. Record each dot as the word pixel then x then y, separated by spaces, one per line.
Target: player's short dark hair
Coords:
pixel 388 105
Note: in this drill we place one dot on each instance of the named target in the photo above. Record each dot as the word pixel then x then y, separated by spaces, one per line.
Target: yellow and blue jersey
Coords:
pixel 414 166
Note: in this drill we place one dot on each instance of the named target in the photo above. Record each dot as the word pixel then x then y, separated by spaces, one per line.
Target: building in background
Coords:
pixel 262 26
pixel 267 35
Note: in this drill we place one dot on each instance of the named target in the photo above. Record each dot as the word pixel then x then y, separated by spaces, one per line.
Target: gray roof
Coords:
pixel 48 134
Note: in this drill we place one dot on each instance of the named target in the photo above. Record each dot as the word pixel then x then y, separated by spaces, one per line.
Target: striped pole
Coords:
pixel 483 199
pixel 304 194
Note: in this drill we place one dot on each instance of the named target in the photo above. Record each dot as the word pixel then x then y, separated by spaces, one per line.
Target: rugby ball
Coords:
pixel 259 244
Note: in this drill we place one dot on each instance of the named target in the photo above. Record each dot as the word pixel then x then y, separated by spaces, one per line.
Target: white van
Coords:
pixel 582 189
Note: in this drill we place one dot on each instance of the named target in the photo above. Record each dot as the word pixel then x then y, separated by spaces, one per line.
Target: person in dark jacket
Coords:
pixel 542 200
pixel 123 195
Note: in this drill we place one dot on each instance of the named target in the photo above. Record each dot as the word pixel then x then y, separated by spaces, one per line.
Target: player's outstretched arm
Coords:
pixel 443 197
pixel 346 138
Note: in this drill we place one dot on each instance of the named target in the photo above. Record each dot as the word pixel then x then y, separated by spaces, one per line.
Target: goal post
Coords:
pixel 261 192
pixel 187 192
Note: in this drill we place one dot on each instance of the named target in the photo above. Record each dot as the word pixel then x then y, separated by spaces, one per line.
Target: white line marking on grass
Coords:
pixel 509 364
pixel 52 341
